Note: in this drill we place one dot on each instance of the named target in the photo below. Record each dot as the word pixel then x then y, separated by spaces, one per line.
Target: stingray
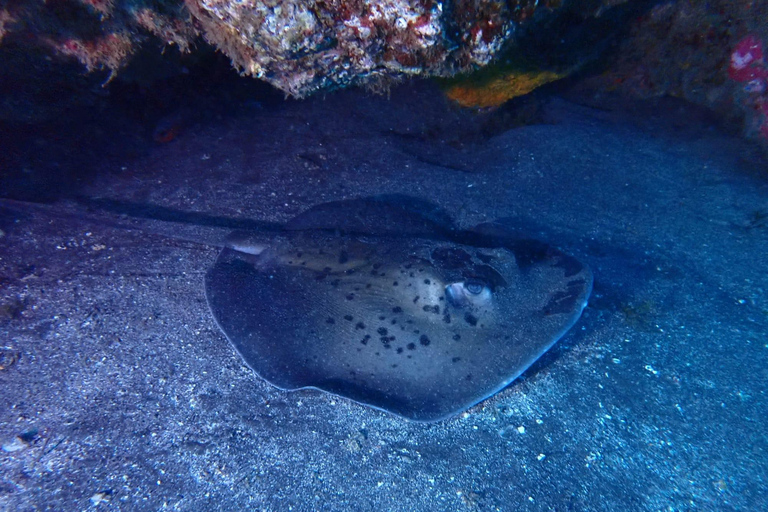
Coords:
pixel 386 302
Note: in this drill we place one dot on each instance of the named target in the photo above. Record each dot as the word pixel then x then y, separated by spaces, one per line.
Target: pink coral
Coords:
pixel 747 60
pixel 747 66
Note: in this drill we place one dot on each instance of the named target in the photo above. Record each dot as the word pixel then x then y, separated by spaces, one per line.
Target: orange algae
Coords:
pixel 495 91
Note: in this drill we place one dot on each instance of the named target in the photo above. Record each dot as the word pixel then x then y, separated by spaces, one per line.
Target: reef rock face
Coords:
pixel 299 46
pixel 304 45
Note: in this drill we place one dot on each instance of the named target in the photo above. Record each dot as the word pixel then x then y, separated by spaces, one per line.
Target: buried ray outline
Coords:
pixel 385 302
pixel 509 299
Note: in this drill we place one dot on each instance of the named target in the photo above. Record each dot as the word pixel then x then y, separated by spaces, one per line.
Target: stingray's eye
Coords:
pixel 474 287
pixel 469 293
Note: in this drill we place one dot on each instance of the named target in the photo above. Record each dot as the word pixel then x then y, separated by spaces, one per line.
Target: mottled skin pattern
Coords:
pixel 419 327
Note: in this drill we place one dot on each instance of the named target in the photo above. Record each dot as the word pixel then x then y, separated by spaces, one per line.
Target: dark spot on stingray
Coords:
pixel 382 331
pixel 411 346
pixel 393 321
pixel 562 301
pixel 365 339
pixel 350 296
pixel 485 258
pixel 570 266
pixel 397 309
pixel 468 377
pixel 359 325
pixel 299 254
pixel 399 350
pixel 456 337
pixel 348 318
pixel 330 320
pixel 424 340
pixel 451 257
pixel 447 318
pixel 532 252
pixel 357 288
pixel 335 283
pixel 432 309
pixel 304 263
pixel 470 319
pixel 367 286
pixel 416 299
pixel 343 257
pixel 394 365
pixel 455 359
pixel 382 317
pixel 411 274
pixel 427 281
pixel 394 283
pixel 488 275
pixel 374 273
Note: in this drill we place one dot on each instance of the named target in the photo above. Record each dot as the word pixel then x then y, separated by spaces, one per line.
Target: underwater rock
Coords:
pixel 301 46
pixel 298 46
pixel 685 49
